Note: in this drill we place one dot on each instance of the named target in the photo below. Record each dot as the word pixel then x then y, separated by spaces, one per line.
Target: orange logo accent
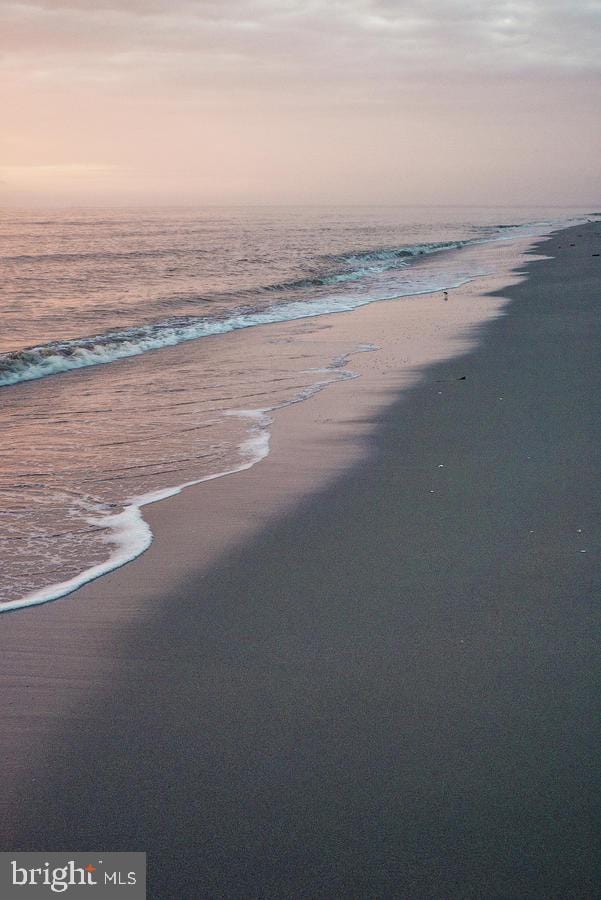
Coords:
pixel 90 868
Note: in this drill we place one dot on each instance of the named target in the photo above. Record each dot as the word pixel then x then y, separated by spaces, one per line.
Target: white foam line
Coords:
pixel 128 529
pixel 130 532
pixel 39 362
pixel 33 363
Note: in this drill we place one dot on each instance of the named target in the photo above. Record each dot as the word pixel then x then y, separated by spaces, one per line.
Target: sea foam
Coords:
pixel 128 532
pixel 57 357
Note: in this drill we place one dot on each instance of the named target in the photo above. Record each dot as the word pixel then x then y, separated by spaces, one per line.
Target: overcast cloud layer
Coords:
pixel 315 101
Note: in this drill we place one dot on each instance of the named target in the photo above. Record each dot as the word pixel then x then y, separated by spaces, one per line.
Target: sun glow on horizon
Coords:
pixel 359 101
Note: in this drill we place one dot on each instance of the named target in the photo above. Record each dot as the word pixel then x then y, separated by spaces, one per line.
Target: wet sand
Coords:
pixel 365 668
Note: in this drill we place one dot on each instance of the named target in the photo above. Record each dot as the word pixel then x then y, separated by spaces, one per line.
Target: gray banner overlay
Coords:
pixel 73 875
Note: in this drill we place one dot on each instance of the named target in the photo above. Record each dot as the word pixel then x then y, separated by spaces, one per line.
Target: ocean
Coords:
pixel 124 374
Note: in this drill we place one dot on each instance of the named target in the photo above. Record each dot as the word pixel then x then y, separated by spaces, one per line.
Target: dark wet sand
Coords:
pixel 388 693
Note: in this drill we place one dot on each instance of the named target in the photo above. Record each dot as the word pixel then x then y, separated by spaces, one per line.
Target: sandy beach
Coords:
pixel 368 666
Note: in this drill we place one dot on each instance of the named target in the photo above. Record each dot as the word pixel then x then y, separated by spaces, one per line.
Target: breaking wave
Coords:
pixel 56 357
pixel 64 356
pixel 355 266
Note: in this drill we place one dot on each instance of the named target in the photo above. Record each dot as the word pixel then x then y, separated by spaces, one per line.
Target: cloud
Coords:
pixel 301 39
pixel 298 95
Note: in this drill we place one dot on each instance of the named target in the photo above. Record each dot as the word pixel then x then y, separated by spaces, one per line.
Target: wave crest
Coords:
pixel 64 356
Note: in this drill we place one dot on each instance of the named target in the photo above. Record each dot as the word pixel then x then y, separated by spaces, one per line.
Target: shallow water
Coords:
pixel 87 287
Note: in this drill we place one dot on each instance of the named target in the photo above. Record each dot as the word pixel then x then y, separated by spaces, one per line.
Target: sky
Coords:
pixel 300 101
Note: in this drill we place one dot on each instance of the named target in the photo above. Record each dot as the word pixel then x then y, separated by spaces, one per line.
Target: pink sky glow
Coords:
pixel 283 101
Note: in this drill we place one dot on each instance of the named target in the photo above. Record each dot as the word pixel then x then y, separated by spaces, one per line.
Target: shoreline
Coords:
pixel 384 689
pixel 133 532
